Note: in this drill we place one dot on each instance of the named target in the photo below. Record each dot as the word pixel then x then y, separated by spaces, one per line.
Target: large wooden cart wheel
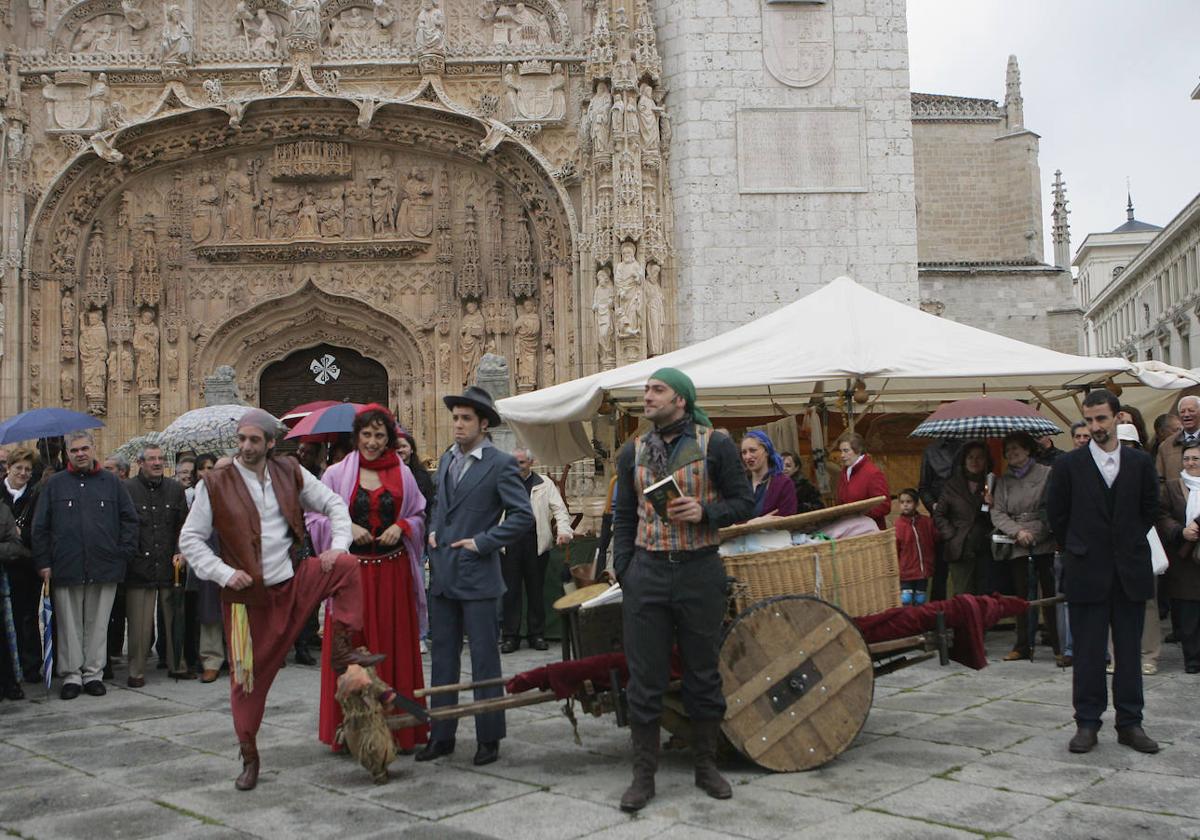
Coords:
pixel 798 682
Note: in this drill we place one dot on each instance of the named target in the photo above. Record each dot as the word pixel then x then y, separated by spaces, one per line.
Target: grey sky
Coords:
pixel 1107 84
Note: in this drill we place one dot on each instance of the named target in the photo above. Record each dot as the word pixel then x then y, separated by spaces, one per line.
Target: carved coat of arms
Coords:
pixel 71 100
pixel 798 40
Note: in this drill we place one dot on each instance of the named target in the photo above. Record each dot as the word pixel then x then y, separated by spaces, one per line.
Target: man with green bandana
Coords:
pixel 673 580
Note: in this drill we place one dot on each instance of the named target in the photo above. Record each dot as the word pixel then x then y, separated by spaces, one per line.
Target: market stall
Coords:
pixel 844 342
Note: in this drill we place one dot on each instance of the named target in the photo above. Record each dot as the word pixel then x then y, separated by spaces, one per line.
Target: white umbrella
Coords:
pixel 209 429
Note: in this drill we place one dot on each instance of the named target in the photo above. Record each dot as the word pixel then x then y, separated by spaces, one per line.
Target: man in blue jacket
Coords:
pixel 85 531
pixel 477 485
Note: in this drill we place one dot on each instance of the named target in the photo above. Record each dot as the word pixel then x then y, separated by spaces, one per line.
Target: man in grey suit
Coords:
pixel 477 485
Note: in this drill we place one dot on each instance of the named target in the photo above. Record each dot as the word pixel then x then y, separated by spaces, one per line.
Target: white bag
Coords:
pixel 1158 555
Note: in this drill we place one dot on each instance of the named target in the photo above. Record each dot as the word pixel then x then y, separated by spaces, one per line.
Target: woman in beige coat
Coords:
pixel 1019 512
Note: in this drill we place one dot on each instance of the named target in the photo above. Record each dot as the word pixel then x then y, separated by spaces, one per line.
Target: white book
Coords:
pixel 612 595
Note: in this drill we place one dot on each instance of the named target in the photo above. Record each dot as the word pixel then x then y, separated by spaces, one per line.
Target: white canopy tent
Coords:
pixel 823 344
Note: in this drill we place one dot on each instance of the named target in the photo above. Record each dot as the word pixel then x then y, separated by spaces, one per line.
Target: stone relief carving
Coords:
pixel 147 281
pixel 74 101
pixel 629 277
pixel 535 91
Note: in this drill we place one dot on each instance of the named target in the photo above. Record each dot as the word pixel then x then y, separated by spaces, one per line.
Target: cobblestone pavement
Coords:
pixel 946 753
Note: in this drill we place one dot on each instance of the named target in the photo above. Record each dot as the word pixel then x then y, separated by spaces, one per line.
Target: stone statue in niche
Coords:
pixel 175 43
pixel 602 308
pixel 285 206
pixel 66 386
pixel 171 356
pixel 206 215
pixel 471 336
pixel 431 28
pixel 648 118
pixel 549 376
pixel 93 355
pixel 527 332
pixel 656 312
pixel 145 346
pixel 629 277
pixel 262 215
pixel 238 208
pixel 67 326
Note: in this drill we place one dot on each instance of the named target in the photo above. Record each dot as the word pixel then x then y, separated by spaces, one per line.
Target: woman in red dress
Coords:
pixel 388 514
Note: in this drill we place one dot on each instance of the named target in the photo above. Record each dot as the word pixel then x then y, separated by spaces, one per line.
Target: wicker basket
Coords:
pixel 859 574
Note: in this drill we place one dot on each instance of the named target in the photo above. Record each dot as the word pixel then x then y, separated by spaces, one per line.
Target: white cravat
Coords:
pixel 1109 463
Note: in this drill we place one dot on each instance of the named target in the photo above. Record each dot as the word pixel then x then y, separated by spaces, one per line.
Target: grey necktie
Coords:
pixel 456 463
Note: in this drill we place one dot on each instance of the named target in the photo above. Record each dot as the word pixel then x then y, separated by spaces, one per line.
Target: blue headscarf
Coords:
pixel 772 456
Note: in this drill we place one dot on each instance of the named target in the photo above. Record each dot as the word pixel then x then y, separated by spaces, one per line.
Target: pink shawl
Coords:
pixel 342 478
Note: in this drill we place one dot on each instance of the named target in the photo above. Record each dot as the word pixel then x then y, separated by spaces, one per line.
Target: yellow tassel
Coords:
pixel 241 649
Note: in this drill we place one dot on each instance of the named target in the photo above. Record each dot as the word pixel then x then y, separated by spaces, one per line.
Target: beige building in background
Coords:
pixel 1142 290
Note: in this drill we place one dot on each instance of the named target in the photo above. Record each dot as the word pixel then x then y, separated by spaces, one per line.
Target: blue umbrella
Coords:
pixel 47 622
pixel 45 423
pixel 326 421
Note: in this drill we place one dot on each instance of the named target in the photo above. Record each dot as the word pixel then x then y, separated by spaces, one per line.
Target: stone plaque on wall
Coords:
pixel 789 150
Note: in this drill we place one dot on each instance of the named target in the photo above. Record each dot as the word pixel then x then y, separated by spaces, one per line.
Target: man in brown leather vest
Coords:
pixel 257 505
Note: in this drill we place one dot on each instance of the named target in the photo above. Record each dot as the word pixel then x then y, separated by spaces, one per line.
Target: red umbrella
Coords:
pixel 301 411
pixel 325 424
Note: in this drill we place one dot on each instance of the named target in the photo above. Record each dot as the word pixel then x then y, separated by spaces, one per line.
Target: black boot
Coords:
pixel 706 735
pixel 645 763
pixel 303 656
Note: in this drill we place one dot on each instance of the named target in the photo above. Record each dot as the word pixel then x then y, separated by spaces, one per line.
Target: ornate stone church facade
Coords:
pixel 391 187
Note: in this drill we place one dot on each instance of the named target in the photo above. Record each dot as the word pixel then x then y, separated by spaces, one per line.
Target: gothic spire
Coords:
pixel 1014 105
pixel 1060 230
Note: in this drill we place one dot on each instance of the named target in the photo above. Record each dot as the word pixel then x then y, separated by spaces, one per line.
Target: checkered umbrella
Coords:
pixel 209 429
pixel 133 447
pixel 46 620
pixel 981 417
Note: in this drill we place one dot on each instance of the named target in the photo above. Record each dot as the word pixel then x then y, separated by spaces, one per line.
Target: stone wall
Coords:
pixel 774 247
pixel 978 192
pixel 1029 304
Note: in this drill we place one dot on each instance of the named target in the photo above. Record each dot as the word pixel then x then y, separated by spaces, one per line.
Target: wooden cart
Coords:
pixel 797 674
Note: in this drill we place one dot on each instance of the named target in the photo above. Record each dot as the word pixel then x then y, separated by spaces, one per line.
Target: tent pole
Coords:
pixel 1053 408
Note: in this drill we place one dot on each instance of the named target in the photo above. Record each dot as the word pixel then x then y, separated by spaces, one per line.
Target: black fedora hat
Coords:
pixel 478 399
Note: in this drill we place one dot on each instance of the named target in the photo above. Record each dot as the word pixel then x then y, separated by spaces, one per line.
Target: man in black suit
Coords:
pixel 1102 500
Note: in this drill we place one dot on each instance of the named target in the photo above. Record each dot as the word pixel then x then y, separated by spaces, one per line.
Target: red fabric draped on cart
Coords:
pixel 969 615
pixel 567 678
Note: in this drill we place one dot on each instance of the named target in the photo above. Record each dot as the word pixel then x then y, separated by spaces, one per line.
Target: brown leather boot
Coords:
pixel 645 763
pixel 344 654
pixel 706 735
pixel 249 776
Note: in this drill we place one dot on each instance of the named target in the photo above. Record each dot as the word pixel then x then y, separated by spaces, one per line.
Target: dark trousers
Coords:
pixel 449 619
pixel 1187 613
pixel 667 602
pixel 191 631
pixel 1044 571
pixel 524 571
pixel 1090 625
pixel 941 574
pixel 26 587
pixel 116 624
